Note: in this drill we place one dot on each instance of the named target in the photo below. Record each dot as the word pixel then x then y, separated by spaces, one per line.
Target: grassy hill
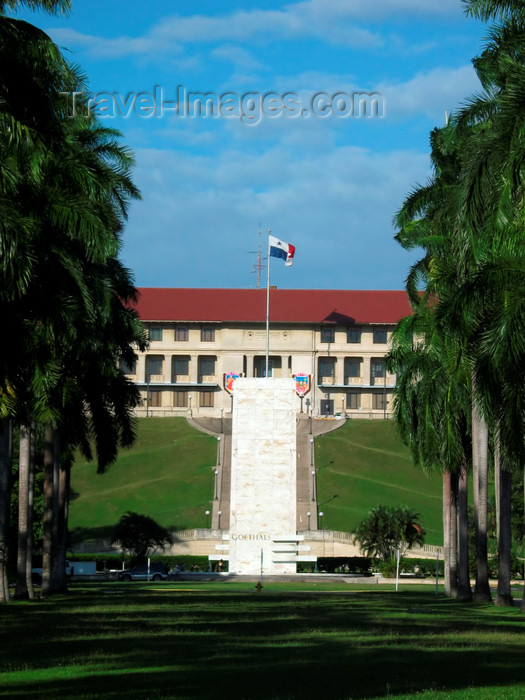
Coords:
pixel 168 475
pixel 364 464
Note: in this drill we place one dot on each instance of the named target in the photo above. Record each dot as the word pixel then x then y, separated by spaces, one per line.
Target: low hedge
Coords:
pixel 106 562
pixel 338 565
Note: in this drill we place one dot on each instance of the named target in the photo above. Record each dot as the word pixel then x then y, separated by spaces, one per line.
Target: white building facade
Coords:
pixel 338 339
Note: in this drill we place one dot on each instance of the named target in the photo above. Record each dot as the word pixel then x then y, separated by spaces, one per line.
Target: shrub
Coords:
pixel 388 568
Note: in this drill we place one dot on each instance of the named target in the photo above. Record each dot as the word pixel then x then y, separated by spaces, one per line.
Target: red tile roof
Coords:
pixel 286 305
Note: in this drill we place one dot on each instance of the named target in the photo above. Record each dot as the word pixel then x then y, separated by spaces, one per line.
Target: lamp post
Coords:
pixel 311 452
pixel 219 513
pixel 222 428
pixel 216 484
pixel 384 395
pixel 321 519
pixel 189 399
pixel 314 494
pixel 309 515
pixel 207 519
pixel 219 450
pixel 309 412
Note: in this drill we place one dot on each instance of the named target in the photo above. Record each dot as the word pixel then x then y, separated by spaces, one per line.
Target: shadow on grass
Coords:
pixel 115 642
pixel 91 534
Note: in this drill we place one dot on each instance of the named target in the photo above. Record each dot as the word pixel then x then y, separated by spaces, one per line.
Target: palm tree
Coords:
pixel 29 124
pixel 488 307
pixel 24 587
pixel 55 7
pixel 431 410
pixel 485 234
pixel 65 187
pixel 387 529
pixel 432 399
pixel 5 486
pixel 140 535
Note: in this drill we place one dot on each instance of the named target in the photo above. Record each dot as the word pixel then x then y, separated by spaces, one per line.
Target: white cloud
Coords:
pixel 430 93
pixel 345 22
pixel 321 10
pixel 336 207
pixel 242 26
pixel 427 93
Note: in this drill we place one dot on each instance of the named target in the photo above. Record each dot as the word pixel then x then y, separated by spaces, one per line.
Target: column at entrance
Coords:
pixel 250 372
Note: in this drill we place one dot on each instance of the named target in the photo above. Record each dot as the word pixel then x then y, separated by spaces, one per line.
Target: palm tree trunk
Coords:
pixel 522 607
pixel 453 544
pixel 497 481
pixel 30 514
pixel 504 595
pixel 49 460
pixel 5 494
pixel 56 563
pixel 61 543
pixel 480 439
pixel 464 588
pixel 21 588
pixel 446 529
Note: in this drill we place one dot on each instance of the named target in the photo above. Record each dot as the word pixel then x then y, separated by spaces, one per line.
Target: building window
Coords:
pixel 378 369
pixel 326 367
pixel 206 366
pixel 181 366
pixel 353 400
pixel 352 367
pixel 327 335
pixel 206 399
pixel 154 333
pixel 155 398
pixel 207 334
pixel 128 367
pixel 154 364
pixel 380 336
pixel 259 367
pixel 379 401
pixel 181 334
pixel 180 398
pixel 353 335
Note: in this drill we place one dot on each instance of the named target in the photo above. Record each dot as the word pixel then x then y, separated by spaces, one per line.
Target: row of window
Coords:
pixel 353 401
pixel 182 333
pixel 353 335
pixel 206 399
pixel 206 366
pixel 352 367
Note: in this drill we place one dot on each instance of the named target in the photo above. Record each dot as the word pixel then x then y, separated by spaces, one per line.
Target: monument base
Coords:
pixel 263 537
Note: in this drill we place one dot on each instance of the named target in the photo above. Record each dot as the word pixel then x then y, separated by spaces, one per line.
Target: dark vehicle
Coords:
pixel 157 572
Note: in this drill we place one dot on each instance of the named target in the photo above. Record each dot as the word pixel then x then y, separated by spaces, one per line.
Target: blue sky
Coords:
pixel 328 184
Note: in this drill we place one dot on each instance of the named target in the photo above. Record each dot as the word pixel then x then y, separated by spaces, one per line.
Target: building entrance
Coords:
pixel 327 407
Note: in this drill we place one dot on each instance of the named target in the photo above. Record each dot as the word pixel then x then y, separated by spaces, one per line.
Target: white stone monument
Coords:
pixel 263 477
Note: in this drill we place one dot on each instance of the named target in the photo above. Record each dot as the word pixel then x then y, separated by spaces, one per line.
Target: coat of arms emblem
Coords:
pixel 302 384
pixel 229 380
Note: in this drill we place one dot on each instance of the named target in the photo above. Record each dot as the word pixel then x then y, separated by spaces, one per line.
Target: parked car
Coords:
pixel 157 572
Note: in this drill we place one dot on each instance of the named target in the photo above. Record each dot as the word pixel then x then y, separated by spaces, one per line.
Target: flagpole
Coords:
pixel 268 309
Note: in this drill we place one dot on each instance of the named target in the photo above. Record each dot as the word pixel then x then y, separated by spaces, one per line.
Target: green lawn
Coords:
pixel 364 464
pixel 168 475
pixel 178 640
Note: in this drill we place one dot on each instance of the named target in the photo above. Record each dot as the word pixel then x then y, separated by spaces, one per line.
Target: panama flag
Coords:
pixel 280 249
